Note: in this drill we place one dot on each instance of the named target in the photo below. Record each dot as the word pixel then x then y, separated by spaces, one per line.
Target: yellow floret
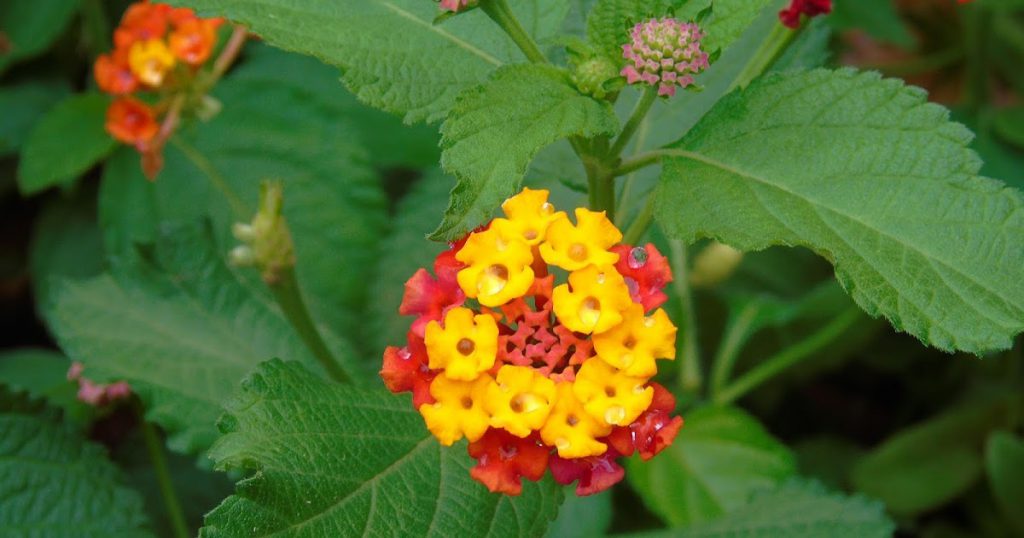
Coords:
pixel 465 347
pixel 459 409
pixel 597 299
pixel 150 61
pixel 529 215
pixel 633 345
pixel 520 401
pixel 575 247
pixel 571 430
pixel 499 267
pixel 610 396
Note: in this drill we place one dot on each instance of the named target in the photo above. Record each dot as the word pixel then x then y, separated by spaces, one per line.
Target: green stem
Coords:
pixel 636 230
pixel 729 350
pixel 636 162
pixel 163 477
pixel 639 113
pixel 289 297
pixel 788 357
pixel 690 377
pixel 502 15
pixel 770 50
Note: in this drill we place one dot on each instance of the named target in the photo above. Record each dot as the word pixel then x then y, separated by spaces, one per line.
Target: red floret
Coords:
pixel 652 431
pixel 503 459
pixel 646 273
pixel 594 474
pixel 405 370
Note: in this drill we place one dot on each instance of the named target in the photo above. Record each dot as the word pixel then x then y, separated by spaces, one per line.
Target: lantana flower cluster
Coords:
pixel 157 51
pixel 665 53
pixel 538 374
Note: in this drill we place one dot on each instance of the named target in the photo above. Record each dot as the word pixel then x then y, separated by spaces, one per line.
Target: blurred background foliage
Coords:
pixel 936 437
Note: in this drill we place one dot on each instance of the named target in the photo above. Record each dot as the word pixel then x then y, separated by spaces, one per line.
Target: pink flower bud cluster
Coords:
pixel 96 394
pixel 664 53
pixel 456 5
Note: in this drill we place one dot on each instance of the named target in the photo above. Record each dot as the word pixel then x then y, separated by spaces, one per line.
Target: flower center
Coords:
pixel 524 402
pixel 578 252
pixel 572 420
pixel 465 346
pixel 467 402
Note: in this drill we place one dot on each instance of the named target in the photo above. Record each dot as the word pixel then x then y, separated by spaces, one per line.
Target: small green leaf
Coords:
pixel 719 458
pixel 66 142
pixel 797 509
pixel 23 105
pixel 1004 462
pixel 332 460
pixel 494 132
pixel 179 328
pixel 31 26
pixel 931 463
pixel 402 252
pixel 869 175
pixel 583 517
pixel 57 484
pixel 391 54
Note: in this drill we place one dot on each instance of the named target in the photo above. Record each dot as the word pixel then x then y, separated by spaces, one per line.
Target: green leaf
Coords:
pixel 729 19
pixel 332 460
pixel 402 252
pixel 391 54
pixel 720 457
pixel 929 464
pixel 65 143
pixel 57 484
pixel 42 373
pixel 23 105
pixel 1004 462
pixel 494 132
pixel 31 26
pixel 583 517
pixel 1009 124
pixel 180 328
pixel 797 509
pixel 878 18
pixel 271 127
pixel 869 175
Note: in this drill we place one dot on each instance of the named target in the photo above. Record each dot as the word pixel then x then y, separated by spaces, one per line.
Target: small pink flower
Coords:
pixel 664 53
pixel 75 371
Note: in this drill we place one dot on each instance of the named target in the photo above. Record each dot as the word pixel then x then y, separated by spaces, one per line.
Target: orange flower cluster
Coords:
pixel 157 48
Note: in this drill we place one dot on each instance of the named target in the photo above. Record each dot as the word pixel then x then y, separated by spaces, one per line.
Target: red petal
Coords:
pixel 502 459
pixel 594 474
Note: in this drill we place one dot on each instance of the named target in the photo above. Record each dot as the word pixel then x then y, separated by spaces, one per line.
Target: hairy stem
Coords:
pixel 770 50
pixel 502 15
pixel 289 297
pixel 690 376
pixel 788 357
pixel 643 106
pixel 163 476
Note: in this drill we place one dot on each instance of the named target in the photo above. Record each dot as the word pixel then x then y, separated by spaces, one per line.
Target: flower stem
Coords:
pixel 502 15
pixel 690 376
pixel 163 476
pixel 229 54
pixel 289 297
pixel 732 342
pixel 770 50
pixel 787 358
pixel 639 113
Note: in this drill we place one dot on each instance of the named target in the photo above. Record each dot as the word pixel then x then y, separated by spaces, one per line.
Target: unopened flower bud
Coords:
pixel 665 53
pixel 715 264
pixel 268 243
pixel 597 77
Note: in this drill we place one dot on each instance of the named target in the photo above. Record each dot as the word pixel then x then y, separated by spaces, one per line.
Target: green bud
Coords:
pixel 267 241
pixel 597 76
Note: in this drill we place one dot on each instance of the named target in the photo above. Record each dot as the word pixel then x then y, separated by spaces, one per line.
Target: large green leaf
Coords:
pixel 494 132
pixel 720 457
pixel 54 483
pixel 23 105
pixel 272 127
pixel 931 463
pixel 391 54
pixel 331 460
pixel 180 328
pixel 1004 462
pixel 866 173
pixel 66 142
pixel 797 509
pixel 31 26
pixel 402 252
pixel 729 19
pixel 66 242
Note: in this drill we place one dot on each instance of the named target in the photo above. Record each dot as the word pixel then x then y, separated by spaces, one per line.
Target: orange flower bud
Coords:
pixel 193 40
pixel 113 75
pixel 131 121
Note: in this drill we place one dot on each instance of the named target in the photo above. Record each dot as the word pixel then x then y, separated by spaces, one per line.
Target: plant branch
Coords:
pixel 289 297
pixel 770 50
pixel 163 476
pixel 690 376
pixel 502 15
pixel 228 54
pixel 643 106
pixel 788 357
